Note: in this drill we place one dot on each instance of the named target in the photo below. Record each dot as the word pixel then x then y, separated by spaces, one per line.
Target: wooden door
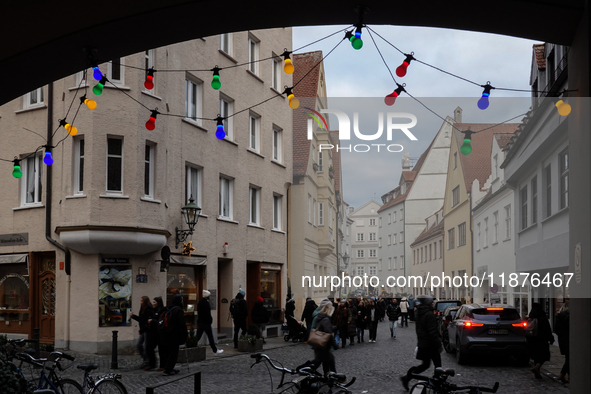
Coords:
pixel 46 300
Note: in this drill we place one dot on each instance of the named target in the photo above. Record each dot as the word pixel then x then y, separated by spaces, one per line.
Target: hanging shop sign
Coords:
pixel 114 260
pixel 14 239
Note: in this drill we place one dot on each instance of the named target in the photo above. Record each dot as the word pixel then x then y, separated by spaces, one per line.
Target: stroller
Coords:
pixel 294 330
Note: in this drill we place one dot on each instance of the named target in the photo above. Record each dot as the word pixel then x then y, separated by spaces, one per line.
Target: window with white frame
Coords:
pixel 277 144
pixel 372 222
pixel 276 212
pixel 309 208
pixel 380 220
pixel 359 237
pixel 395 262
pixel 390 264
pixel 372 236
pixel 523 195
pixel 78 165
pixel 254 137
pixel 380 265
pixel 149 163
pixel 226 112
pixel 360 270
pixel 534 199
pixel 114 165
pixel 373 253
pixel 255 205
pixel 430 252
pixel 31 181
pixel 314 211
pixel 394 217
pixel 422 254
pixel 401 262
pixel 496 227
pixel 508 222
pixel 320 161
pixel 329 215
pixel 564 166
pixel 389 218
pixel 372 270
pixel 434 250
pixel 149 62
pixel 276 73
pixel 451 238
pixel 462 233
pixel 360 253
pixel 193 99
pixel 321 213
pixel 485 240
pixel 226 43
pixel 455 196
pixel 115 72
pixel 193 184
pixel 253 55
pixel 380 242
pixel 226 198
pixel 389 239
pixel 394 236
pixel 33 99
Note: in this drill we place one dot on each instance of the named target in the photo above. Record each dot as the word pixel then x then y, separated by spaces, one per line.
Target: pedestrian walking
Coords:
pixel 144 341
pixel 289 307
pixel 361 321
pixel 173 334
pixel 561 328
pixel 352 321
pixel 539 348
pixel 404 312
pixel 374 312
pixel 309 309
pixel 260 316
pixel 239 310
pixel 382 304
pixel 393 312
pixel 341 321
pixel 411 308
pixel 204 321
pixel 322 322
pixel 428 339
pixel 158 307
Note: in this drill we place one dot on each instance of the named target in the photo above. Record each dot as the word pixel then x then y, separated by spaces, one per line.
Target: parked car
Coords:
pixel 439 306
pixel 446 317
pixel 487 329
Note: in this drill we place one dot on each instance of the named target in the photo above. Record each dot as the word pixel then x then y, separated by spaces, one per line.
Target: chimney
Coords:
pixel 406 162
pixel 458 115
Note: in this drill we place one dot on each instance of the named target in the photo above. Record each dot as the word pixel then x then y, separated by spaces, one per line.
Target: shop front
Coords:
pixel 264 280
pixel 15 294
pixel 185 276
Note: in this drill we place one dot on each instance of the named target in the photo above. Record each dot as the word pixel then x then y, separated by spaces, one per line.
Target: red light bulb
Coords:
pixel 149 83
pixel 391 98
pixel 401 70
pixel 151 123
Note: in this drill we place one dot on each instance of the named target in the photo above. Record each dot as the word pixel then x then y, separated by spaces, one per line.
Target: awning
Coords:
pixel 13 258
pixel 188 260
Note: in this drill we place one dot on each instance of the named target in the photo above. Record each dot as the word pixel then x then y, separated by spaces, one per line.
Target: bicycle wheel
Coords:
pixel 109 386
pixel 422 388
pixel 68 386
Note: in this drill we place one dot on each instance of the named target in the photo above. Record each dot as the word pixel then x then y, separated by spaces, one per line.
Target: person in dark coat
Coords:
pixel 204 321
pixel 260 316
pixel 361 322
pixel 144 341
pixel 309 309
pixel 177 337
pixel 428 339
pixel 341 321
pixel 561 328
pixel 393 312
pixel 289 307
pixel 240 316
pixel 322 322
pixel 539 349
pixel 374 311
pixel 158 307
pixel 352 321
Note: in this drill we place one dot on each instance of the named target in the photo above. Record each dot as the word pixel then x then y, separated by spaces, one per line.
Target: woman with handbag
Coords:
pixel 321 338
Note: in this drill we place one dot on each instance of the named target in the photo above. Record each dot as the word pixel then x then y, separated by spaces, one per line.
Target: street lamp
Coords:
pixel 191 214
pixel 346 260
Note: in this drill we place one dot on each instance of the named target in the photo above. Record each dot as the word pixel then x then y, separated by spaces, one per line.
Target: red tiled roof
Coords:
pixel 539 51
pixel 435 229
pixel 476 165
pixel 409 176
pixel 305 90
pixel 503 139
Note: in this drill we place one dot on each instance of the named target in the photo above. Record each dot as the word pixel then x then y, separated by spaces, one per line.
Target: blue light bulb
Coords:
pixel 97 74
pixel 220 133
pixel 483 102
pixel 48 159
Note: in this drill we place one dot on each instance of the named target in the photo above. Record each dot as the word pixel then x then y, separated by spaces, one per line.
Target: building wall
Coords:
pixel 361 225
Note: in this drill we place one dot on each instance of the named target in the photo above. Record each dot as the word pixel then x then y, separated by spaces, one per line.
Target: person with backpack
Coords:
pixel 393 312
pixel 260 316
pixel 239 311
pixel 144 340
pixel 204 321
pixel 173 333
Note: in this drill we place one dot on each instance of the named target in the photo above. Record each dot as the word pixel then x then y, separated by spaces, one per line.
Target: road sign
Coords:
pixel 494 288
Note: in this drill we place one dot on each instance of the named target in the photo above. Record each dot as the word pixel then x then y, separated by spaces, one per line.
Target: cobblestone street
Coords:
pixel 377 367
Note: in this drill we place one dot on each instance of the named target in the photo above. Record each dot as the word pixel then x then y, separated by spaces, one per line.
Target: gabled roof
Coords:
pixel 436 229
pixel 476 165
pixel 503 139
pixel 540 52
pixel 305 90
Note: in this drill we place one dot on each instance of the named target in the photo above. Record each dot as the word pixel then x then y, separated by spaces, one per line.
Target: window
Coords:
pixel 434 250
pixel 372 270
pixel 380 242
pixel 276 74
pixel 226 43
pixel 320 161
pixel 389 239
pixel 254 132
pixel 523 195
pixel 430 253
pixel 149 170
pixel 115 71
pixel 496 224
pixel 372 222
pixel 455 160
pixel 309 208
pixel 478 236
pixel 508 222
pixel 31 181
pixel 440 249
pixel 485 241
pixel 548 180
pixel 193 101
pixel 193 185
pixel 451 238
pixel 394 263
pixel 394 239
pixel 255 204
pixel 276 212
pixel 359 237
pixel 226 112
pixel 33 99
pixel 455 196
pixel 534 200
pixel 394 217
pixel 373 253
pixel 380 265
pixel 114 165
pixel 277 144
pixel 422 254
pixel 390 263
pixel 320 213
pixel 372 236
pixel 495 166
pixel 380 221
pixel 226 197
pixel 149 63
pixel 360 270
pixel 402 237
pixel 253 56
pixel 360 253
pixel 401 262
pixel 78 165
pixel 564 165
pixel 462 234
pixel 389 218
pixel 314 212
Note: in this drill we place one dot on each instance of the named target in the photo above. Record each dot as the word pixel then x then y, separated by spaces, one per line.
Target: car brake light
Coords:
pixel 522 324
pixel 495 309
pixel 470 324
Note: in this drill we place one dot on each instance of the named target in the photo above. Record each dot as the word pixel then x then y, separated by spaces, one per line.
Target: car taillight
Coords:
pixel 522 324
pixel 495 309
pixel 471 324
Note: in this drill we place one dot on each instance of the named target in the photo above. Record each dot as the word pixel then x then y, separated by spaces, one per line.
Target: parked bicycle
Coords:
pixel 105 384
pixel 438 384
pixel 308 381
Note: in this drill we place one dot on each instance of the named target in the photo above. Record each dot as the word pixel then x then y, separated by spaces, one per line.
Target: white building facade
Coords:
pixel 364 244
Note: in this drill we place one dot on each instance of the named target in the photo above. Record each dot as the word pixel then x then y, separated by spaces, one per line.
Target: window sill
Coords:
pixel 146 199
pixel 555 214
pixel 277 92
pixel 194 124
pixel 495 243
pixel 75 196
pixel 278 163
pixel 255 76
pixel 85 86
pixel 114 85
pixel 230 141
pixel 28 207
pixel 255 226
pixel 507 239
pixel 150 94
pixel 255 153
pixel 114 196
pixel 228 56
pixel 20 111
pixel 221 219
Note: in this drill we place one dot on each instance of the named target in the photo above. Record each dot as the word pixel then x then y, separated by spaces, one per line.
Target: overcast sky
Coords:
pixel 357 81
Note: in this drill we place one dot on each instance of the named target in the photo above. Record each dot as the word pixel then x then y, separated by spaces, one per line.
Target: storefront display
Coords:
pixel 186 281
pixel 114 295
pixel 14 297
pixel 270 291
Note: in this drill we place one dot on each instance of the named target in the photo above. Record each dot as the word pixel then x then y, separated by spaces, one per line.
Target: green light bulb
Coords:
pixel 216 84
pixel 17 173
pixel 357 43
pixel 98 89
pixel 466 147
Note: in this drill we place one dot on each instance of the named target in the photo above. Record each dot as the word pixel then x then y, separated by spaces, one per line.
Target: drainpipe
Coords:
pixel 48 190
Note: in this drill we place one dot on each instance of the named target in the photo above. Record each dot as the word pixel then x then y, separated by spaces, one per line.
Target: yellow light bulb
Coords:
pixel 563 108
pixel 71 129
pixel 294 103
pixel 288 67
pixel 91 104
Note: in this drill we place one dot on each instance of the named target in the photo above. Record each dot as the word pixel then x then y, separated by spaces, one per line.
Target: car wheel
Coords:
pixel 461 357
pixel 446 345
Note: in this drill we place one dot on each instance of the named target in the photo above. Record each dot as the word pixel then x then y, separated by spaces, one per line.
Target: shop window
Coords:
pixel 14 295
pixel 186 281
pixel 115 295
pixel 271 291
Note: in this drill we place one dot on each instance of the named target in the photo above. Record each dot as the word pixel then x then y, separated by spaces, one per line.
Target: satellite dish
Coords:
pixel 165 253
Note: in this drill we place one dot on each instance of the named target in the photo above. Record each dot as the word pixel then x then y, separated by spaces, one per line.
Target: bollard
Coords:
pixel 114 364
pixel 197 383
pixel 36 343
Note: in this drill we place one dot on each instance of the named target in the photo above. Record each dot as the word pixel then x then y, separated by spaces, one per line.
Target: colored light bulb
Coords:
pixel 71 129
pixel 216 84
pixel 151 123
pixel 356 41
pixel 149 82
pixel 91 104
pixel 403 68
pixel 96 73
pixel 288 67
pixel 294 103
pixel 483 102
pixel 563 108
pixel 466 147
pixel 48 160
pixel 220 133
pixel 16 172
pixel 391 98
pixel 98 89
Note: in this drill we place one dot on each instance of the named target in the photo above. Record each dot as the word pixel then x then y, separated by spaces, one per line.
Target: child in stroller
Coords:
pixel 294 330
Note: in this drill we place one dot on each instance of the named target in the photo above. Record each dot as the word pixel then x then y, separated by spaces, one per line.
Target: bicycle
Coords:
pixel 438 384
pixel 51 380
pixel 105 384
pixel 308 380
